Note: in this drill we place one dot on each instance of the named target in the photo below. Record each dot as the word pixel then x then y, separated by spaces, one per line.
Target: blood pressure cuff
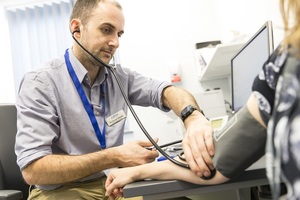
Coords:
pixel 239 144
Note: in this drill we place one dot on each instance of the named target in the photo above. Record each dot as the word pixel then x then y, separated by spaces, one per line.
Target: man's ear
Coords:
pixel 75 26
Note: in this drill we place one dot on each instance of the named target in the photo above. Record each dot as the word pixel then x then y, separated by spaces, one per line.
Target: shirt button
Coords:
pixel 97 113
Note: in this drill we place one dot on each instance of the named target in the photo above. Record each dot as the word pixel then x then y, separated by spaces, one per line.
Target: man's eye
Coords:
pixel 106 30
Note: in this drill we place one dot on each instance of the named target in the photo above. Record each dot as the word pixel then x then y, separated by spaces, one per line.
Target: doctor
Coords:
pixel 67 133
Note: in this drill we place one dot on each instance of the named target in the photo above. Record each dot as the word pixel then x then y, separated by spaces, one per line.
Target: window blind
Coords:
pixel 39 31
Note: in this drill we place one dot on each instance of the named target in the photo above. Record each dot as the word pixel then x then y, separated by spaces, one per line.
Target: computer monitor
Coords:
pixel 248 62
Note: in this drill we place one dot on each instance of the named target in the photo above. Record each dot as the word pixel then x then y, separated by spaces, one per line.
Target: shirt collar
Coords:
pixel 82 73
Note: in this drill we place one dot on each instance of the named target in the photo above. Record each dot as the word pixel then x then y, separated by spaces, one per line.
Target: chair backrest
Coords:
pixel 13 179
pixel 2 181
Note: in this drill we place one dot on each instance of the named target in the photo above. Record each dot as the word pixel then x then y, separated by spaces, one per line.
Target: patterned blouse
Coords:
pixel 277 89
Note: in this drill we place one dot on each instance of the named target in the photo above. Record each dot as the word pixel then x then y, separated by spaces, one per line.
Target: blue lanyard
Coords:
pixel 88 107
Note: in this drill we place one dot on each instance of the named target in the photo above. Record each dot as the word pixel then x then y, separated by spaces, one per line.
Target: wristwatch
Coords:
pixel 187 111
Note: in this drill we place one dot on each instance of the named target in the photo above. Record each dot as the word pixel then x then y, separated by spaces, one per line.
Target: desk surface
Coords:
pixel 152 189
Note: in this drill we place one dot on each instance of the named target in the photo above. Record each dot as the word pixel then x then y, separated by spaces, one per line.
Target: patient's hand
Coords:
pixel 117 179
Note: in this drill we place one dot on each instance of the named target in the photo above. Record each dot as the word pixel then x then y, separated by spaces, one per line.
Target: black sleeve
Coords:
pixel 264 84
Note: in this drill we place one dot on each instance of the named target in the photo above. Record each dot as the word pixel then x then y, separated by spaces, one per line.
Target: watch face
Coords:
pixel 187 111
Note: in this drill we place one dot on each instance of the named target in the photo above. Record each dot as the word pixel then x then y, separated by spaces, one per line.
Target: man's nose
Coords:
pixel 114 41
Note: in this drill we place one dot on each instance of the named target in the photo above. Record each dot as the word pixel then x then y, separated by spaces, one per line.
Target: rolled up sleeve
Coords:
pixel 37 121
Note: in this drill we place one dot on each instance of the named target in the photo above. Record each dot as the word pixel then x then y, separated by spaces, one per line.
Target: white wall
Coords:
pixel 156 30
pixel 159 30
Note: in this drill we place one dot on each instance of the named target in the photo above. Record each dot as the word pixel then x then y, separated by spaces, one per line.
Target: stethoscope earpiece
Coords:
pixel 76 31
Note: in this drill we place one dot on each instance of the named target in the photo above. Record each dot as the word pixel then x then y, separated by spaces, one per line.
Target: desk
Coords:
pixel 255 175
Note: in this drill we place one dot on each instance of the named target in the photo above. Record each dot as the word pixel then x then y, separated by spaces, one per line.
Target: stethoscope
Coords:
pixel 112 68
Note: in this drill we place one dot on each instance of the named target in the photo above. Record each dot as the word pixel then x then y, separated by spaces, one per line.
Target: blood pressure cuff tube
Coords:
pixel 239 144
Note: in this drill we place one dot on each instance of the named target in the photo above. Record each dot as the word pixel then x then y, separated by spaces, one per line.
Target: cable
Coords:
pixel 113 71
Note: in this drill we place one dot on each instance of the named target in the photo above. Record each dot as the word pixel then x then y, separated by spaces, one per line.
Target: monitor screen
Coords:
pixel 248 62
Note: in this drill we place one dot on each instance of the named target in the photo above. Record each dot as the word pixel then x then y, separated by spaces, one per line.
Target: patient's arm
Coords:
pixel 234 153
pixel 164 170
pixel 254 110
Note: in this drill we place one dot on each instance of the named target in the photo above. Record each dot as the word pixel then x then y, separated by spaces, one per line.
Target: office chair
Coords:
pixel 12 185
pixel 8 194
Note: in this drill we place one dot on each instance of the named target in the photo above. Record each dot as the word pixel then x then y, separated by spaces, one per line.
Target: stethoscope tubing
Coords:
pixel 113 71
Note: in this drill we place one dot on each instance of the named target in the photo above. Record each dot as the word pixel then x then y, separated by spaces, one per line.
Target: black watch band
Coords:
pixel 187 111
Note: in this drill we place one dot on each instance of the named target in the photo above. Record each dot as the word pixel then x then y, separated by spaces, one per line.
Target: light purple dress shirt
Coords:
pixel 51 118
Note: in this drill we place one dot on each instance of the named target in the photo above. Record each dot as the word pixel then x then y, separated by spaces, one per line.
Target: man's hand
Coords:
pixel 198 144
pixel 135 153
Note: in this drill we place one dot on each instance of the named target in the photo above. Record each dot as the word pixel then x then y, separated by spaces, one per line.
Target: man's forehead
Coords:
pixel 109 15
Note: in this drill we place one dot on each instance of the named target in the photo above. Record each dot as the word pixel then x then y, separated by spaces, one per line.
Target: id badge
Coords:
pixel 115 118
